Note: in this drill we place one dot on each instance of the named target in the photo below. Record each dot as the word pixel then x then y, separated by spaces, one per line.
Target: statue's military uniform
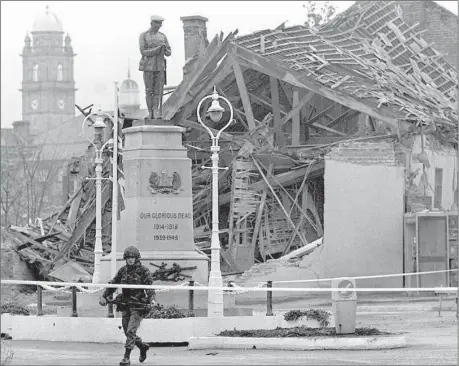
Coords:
pixel 154 46
pixel 136 274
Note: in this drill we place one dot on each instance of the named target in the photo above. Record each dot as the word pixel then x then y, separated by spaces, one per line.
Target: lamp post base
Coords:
pixel 215 296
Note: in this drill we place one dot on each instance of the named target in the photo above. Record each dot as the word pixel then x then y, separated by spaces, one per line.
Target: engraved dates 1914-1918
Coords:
pixel 165 226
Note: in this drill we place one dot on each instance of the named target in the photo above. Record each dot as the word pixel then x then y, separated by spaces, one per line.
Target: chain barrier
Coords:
pixel 170 289
pixel 88 291
pixel 241 290
pixel 237 289
pixel 61 289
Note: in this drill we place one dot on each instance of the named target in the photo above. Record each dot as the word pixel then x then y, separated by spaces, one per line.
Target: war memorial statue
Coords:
pixel 154 46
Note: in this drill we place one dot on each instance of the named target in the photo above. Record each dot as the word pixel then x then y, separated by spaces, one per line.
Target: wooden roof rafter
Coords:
pixel 295 78
pixel 321 62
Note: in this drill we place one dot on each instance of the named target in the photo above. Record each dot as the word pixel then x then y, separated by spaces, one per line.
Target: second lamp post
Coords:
pixel 215 296
pixel 99 126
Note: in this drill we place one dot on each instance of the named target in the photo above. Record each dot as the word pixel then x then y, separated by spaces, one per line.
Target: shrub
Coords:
pixel 160 312
pixel 15 309
pixel 321 316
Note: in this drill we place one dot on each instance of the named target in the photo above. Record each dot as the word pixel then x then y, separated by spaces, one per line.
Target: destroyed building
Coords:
pixel 340 132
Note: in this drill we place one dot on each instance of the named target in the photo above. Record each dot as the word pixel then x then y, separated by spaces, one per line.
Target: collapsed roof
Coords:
pixel 367 59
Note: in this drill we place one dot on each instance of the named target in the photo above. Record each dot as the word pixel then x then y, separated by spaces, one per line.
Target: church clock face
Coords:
pixel 61 104
pixel 34 104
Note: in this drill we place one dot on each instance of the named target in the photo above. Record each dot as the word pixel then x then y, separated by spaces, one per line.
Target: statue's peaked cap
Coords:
pixel 156 18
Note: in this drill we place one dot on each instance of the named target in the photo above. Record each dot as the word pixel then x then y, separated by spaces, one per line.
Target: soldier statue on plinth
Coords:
pixel 154 46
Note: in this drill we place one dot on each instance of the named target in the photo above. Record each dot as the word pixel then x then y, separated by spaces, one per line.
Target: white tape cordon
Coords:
pixel 229 289
pixel 365 277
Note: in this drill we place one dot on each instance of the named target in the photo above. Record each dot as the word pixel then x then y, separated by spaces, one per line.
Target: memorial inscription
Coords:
pixel 165 215
pixel 166 230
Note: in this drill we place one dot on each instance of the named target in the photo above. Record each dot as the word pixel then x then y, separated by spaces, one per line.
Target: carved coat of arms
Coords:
pixel 164 183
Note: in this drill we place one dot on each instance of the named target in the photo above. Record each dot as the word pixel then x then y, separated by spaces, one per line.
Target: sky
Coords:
pixel 105 38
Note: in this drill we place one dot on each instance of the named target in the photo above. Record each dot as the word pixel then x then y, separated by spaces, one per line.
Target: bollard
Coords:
pixel 191 299
pixel 344 305
pixel 269 299
pixel 74 302
pixel 39 301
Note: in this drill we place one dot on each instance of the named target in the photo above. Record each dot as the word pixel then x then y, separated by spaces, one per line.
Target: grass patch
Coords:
pixel 299 332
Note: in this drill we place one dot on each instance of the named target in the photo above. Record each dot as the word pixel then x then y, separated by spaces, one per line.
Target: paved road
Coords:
pixel 432 341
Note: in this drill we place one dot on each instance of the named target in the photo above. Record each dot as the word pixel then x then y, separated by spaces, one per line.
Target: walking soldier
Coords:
pixel 133 273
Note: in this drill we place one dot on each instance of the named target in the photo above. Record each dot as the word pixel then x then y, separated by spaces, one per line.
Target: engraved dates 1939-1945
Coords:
pixel 165 237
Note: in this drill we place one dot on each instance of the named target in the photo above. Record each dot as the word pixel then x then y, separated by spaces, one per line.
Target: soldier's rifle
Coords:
pixel 163 273
pixel 132 305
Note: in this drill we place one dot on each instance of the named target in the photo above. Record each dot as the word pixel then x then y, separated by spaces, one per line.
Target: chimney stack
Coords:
pixel 22 129
pixel 195 32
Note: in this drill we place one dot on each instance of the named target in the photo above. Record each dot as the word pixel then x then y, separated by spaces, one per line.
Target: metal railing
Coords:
pixel 193 286
pixel 110 312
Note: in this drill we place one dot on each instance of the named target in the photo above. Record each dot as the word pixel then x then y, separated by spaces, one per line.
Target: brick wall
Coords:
pixel 364 153
pixel 440 22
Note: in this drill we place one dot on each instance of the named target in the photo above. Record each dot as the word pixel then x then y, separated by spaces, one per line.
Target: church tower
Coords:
pixel 48 85
pixel 129 101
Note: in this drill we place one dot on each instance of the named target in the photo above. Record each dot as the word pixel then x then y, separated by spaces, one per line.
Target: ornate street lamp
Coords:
pixel 215 296
pixel 98 126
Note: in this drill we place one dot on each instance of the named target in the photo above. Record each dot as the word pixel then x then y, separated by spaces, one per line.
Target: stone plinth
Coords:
pixel 158 218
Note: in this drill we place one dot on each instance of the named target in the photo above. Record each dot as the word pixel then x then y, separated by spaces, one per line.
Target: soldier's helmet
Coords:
pixel 131 251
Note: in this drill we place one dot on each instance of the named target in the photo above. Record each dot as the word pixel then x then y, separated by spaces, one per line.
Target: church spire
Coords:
pixel 129 68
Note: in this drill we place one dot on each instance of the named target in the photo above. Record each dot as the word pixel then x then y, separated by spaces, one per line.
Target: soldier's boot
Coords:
pixel 126 361
pixel 143 347
pixel 149 101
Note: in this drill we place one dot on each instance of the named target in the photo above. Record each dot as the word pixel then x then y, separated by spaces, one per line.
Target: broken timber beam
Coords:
pixel 29 241
pixel 296 119
pixel 284 179
pixel 211 55
pixel 288 178
pixel 238 115
pixel 201 90
pixel 287 216
pixel 297 107
pixel 86 220
pixel 244 95
pixel 278 133
pixel 198 126
pixel 262 64
pixel 319 126
pixel 261 207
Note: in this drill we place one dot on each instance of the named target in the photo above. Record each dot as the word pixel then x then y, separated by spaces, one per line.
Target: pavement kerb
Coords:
pixel 299 344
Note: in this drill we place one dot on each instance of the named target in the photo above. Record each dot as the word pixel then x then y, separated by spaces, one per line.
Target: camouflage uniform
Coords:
pixel 137 274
